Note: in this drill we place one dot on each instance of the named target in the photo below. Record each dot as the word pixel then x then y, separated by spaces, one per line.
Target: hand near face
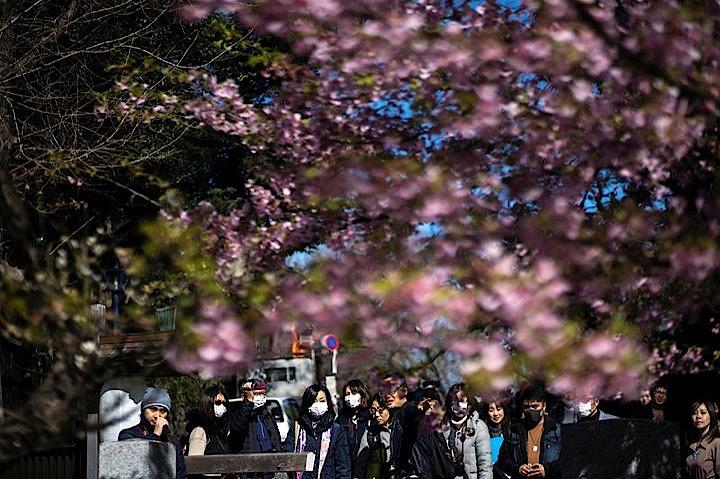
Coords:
pixel 425 404
pixel 159 424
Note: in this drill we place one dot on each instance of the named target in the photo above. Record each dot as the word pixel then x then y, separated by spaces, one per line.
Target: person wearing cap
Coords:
pixel 154 425
pixel 262 433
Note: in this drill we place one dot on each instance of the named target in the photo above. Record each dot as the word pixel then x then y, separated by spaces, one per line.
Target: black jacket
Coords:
pixel 244 421
pixel 513 452
pixel 431 458
pixel 403 435
pixel 354 433
pixel 217 437
pixel 141 431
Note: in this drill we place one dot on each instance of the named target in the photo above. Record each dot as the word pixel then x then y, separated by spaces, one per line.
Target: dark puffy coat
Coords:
pixel 143 431
pixel 513 452
pixel 354 433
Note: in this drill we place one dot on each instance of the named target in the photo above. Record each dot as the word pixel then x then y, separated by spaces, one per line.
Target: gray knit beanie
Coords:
pixel 156 397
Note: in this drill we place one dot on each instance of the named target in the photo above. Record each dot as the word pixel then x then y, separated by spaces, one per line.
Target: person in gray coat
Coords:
pixel 467 436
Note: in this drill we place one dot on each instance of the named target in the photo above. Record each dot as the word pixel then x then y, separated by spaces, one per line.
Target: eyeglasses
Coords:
pixel 220 403
pixel 378 410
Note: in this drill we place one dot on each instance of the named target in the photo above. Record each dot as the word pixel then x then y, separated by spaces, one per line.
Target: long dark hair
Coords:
pixel 356 386
pixel 452 398
pixel 316 425
pixel 499 402
pixel 216 425
pixel 309 396
pixel 714 428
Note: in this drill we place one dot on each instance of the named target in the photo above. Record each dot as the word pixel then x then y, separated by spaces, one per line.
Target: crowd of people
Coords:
pixel 396 433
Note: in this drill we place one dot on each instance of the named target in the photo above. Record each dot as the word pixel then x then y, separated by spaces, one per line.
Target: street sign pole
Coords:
pixel 332 344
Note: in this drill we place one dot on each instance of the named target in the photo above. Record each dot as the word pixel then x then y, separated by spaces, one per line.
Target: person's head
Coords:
pixel 256 391
pixel 379 411
pixel 704 417
pixel 587 406
pixel 213 405
pixel 317 402
pixel 533 400
pixel 494 413
pixel 659 395
pixel 395 389
pixel 355 395
pixel 155 404
pixel 240 383
pixel 645 397
pixel 459 403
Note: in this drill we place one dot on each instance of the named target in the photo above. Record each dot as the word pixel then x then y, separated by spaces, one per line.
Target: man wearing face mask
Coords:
pixel 588 410
pixel 533 448
pixel 262 434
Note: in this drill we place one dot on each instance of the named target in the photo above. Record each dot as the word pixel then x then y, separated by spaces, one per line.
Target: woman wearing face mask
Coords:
pixel 703 459
pixel 354 418
pixel 317 434
pixel 209 435
pixel 467 436
pixel 498 423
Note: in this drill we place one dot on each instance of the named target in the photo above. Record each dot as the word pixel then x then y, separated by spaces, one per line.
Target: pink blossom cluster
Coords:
pixel 220 344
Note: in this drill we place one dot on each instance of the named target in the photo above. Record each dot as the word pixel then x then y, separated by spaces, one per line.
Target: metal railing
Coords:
pixel 56 463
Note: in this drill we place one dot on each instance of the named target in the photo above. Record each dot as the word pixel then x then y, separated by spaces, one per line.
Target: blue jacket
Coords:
pixel 513 452
pixel 354 434
pixel 140 431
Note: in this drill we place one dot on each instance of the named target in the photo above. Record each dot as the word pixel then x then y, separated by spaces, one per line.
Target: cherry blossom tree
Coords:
pixel 565 150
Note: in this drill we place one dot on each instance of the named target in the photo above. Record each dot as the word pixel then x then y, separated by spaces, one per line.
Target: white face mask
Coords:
pixel 353 400
pixel 259 401
pixel 585 408
pixel 220 410
pixel 319 409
